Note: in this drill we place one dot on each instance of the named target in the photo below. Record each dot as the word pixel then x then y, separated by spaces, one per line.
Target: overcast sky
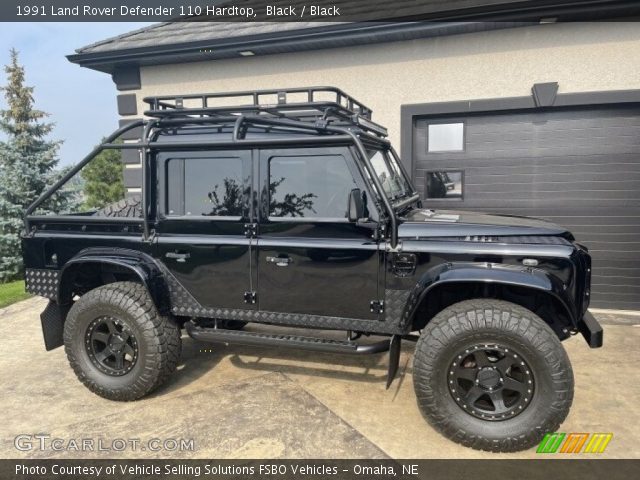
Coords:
pixel 81 102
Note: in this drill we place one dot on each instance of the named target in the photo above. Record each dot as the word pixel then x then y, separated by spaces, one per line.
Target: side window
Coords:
pixel 309 186
pixel 211 187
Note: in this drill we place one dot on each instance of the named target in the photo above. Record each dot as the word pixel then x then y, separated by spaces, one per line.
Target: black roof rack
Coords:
pixel 305 104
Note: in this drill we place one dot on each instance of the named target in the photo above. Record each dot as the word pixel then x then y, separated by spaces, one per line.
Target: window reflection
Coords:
pixel 309 186
pixel 444 184
pixel 227 200
pixel 206 186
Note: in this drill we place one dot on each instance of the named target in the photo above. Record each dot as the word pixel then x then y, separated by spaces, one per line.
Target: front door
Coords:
pixel 311 259
pixel 203 208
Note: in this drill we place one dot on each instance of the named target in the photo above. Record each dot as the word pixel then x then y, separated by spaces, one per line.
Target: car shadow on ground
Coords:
pixel 200 358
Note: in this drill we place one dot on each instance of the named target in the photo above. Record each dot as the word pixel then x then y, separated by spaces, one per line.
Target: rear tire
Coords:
pixel 117 343
pixel 492 375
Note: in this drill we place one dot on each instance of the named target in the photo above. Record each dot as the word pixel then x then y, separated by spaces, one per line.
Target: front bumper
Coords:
pixel 591 330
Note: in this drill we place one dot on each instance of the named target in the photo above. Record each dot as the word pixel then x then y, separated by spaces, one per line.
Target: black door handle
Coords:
pixel 178 256
pixel 280 261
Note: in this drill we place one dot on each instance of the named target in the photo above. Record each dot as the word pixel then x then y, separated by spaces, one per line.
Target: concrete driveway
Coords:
pixel 240 402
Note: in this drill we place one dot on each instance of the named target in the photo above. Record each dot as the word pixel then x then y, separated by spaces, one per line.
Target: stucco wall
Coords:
pixel 504 63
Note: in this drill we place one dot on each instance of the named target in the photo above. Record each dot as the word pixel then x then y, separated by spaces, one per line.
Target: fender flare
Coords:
pixel 143 266
pixel 511 275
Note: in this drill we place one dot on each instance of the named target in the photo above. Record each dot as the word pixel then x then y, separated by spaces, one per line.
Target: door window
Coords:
pixel 205 187
pixel 309 187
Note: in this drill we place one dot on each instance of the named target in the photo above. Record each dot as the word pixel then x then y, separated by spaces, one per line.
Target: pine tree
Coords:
pixel 103 182
pixel 28 164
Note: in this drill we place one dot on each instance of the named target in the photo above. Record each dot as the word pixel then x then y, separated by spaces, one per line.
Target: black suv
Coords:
pixel 290 208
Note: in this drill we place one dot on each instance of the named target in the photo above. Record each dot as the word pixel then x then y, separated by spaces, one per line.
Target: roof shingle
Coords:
pixel 170 33
pixel 178 32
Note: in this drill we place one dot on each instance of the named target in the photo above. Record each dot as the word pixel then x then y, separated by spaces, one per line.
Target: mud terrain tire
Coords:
pixel 455 387
pixel 155 340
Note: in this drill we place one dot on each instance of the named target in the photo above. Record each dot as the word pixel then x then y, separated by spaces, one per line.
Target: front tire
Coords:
pixel 117 343
pixel 492 375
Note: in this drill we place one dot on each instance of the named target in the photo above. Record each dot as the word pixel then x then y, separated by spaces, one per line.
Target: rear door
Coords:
pixel 203 206
pixel 311 260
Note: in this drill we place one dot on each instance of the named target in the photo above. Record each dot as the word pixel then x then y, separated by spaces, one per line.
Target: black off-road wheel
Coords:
pixel 117 343
pixel 492 375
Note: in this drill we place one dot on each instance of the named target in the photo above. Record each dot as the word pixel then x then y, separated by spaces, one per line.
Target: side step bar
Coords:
pixel 221 335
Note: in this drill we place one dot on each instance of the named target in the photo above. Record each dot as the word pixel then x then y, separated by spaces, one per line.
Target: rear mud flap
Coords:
pixel 394 359
pixel 52 319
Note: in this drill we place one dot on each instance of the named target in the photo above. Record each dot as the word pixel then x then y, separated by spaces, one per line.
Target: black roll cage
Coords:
pixel 341 120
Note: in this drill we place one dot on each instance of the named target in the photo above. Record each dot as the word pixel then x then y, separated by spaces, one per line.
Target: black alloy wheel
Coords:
pixel 491 382
pixel 111 346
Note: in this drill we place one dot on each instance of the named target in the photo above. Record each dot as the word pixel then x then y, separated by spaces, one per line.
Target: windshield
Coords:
pixel 388 171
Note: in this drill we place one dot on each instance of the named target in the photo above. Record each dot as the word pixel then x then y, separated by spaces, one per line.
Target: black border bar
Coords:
pixel 543 469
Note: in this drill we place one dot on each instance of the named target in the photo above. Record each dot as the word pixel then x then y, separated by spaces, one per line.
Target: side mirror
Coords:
pixel 355 209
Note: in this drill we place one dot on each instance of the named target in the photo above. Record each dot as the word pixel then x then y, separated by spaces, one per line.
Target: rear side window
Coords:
pixel 211 187
pixel 315 186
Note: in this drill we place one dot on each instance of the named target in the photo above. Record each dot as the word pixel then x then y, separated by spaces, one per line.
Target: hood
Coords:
pixel 421 222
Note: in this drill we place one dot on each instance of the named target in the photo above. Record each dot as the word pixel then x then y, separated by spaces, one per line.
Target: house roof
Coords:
pixel 195 40
pixel 167 33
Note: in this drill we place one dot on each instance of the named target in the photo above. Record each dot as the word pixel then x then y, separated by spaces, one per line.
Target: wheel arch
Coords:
pixel 532 289
pixel 92 268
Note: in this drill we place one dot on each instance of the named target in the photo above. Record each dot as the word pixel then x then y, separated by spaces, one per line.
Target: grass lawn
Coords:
pixel 12 292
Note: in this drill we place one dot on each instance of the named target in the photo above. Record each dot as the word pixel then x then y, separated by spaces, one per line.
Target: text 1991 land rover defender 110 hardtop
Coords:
pixel 290 208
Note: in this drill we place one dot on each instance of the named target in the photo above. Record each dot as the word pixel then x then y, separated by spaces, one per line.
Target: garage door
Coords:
pixel 578 167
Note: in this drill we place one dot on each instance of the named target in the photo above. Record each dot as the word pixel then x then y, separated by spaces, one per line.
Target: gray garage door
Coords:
pixel 579 168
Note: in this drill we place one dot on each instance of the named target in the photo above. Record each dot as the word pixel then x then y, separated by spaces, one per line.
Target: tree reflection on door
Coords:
pixel 228 200
pixel 230 204
pixel 292 205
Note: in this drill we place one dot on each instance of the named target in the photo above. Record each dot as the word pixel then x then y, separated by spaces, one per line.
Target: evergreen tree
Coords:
pixel 27 165
pixel 103 182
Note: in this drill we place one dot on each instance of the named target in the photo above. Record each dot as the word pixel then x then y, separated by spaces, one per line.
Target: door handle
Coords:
pixel 280 261
pixel 178 256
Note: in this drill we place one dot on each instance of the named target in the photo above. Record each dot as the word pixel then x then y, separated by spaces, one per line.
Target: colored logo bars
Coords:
pixel 574 443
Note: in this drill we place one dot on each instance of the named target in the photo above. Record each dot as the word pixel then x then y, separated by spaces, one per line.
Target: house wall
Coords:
pixel 581 57
pixel 503 63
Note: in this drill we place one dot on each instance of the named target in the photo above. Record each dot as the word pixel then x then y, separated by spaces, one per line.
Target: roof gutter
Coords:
pixel 298 40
